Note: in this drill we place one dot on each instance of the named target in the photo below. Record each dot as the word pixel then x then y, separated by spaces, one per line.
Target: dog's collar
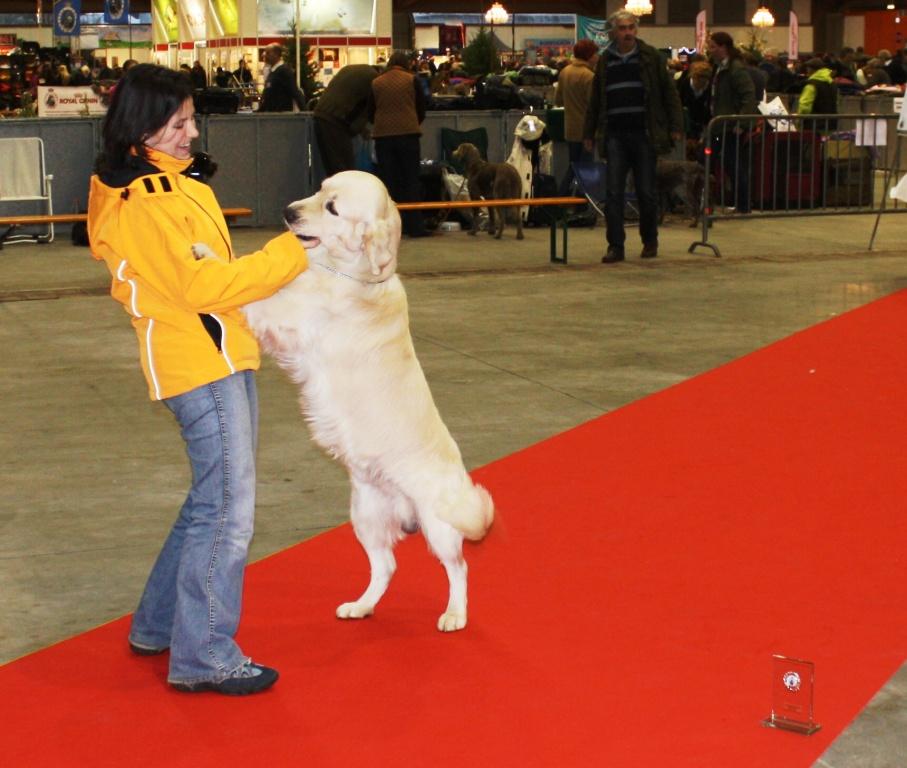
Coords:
pixel 348 277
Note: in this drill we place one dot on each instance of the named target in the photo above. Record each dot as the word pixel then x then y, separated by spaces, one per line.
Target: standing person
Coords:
pixel 574 91
pixel 342 113
pixel 242 73
pixel 198 357
pixel 281 91
pixel 757 75
pixel 636 111
pixel 199 78
pixel 696 98
pixel 396 109
pixel 733 93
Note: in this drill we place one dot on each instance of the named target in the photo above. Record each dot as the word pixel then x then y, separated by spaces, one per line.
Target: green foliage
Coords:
pixel 756 44
pixel 480 57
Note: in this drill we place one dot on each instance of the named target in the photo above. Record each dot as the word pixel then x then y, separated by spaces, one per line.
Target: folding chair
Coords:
pixel 451 139
pixel 23 178
pixel 590 179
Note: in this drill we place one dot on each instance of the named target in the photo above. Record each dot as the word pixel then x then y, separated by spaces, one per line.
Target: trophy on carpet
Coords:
pixel 792 695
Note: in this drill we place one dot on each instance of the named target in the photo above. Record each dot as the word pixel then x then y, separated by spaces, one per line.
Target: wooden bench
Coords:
pixel 556 217
pixel 12 222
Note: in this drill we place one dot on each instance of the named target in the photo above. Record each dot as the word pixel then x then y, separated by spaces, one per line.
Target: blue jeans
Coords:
pixel 193 597
pixel 631 152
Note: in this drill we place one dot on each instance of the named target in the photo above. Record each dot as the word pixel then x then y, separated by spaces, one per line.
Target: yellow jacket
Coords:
pixel 186 312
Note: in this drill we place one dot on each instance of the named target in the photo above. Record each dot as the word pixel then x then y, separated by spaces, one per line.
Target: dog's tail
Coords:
pixel 471 511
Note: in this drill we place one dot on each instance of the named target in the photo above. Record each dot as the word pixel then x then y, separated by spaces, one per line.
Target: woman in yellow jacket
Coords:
pixel 198 357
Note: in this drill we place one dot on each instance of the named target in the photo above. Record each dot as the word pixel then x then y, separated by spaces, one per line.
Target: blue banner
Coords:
pixel 592 29
pixel 66 17
pixel 116 11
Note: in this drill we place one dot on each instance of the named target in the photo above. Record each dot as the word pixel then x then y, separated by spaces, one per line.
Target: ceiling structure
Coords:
pixel 598 7
pixel 585 7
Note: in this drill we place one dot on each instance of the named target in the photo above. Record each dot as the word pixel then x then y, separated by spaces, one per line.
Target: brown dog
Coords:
pixel 491 181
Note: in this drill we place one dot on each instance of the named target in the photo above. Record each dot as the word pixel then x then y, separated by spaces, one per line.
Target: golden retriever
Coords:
pixel 341 332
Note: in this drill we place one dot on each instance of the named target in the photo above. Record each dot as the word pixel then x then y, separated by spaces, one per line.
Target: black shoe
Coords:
pixel 613 255
pixel 249 678
pixel 649 251
pixel 145 650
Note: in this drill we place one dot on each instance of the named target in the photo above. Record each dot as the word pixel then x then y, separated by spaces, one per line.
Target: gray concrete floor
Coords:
pixel 516 350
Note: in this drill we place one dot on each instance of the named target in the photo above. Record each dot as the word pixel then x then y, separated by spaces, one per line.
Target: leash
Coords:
pixel 337 272
pixel 446 211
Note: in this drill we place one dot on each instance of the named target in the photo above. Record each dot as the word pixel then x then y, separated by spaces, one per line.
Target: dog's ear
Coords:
pixel 381 239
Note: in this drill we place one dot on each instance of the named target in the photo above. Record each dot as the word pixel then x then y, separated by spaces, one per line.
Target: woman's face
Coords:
pixel 175 137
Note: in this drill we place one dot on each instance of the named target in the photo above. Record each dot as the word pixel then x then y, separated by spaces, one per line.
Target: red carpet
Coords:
pixel 623 612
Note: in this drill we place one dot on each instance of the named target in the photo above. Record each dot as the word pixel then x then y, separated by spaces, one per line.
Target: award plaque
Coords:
pixel 792 695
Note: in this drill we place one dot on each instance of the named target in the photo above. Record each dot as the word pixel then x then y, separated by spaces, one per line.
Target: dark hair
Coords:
pixel 143 101
pixel 399 59
pixel 585 49
pixel 725 41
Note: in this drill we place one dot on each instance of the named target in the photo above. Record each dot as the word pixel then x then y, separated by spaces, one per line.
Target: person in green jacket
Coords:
pixel 820 94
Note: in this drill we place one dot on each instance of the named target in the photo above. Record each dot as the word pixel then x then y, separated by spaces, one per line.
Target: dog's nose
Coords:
pixel 290 214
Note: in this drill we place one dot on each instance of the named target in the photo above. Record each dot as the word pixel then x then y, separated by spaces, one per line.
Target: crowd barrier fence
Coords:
pixel 799 165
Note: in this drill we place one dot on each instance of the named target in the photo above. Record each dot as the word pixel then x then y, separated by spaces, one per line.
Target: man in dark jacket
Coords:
pixel 636 112
pixel 733 93
pixel 281 91
pixel 341 113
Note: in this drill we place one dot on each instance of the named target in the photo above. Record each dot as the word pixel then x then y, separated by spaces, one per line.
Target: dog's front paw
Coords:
pixel 451 622
pixel 354 610
pixel 203 251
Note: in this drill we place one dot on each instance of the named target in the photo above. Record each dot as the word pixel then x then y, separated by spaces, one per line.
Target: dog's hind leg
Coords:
pixel 519 222
pixel 447 544
pixel 378 529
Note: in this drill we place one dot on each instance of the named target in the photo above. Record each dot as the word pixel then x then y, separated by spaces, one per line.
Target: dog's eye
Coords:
pixel 331 209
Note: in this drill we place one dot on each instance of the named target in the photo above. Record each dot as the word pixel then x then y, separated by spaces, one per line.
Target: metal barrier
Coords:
pixel 799 165
pixel 265 160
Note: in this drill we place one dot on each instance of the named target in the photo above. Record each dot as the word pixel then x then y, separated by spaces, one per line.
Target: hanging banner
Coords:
pixel 66 17
pixel 451 37
pixel 194 25
pixel 116 36
pixel 592 29
pixel 225 16
pixel 701 32
pixel 165 20
pixel 352 17
pixel 793 38
pixel 116 11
